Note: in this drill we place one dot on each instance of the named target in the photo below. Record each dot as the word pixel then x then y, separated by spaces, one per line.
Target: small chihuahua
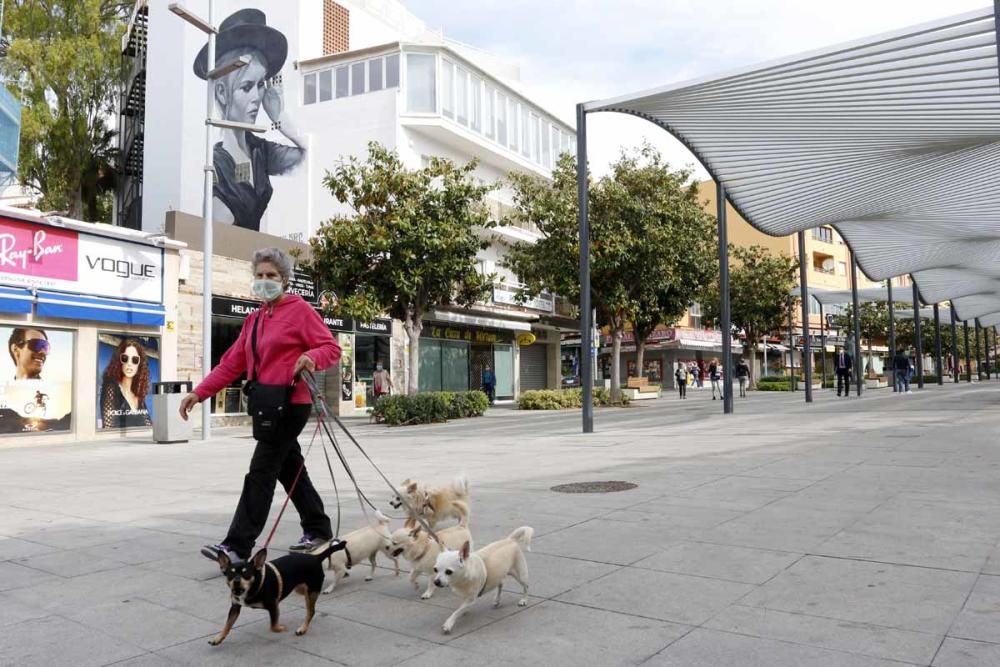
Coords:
pixel 262 585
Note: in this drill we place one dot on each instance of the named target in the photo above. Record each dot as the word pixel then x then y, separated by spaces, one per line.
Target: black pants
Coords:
pixel 682 387
pixel 490 391
pixel 277 460
pixel 844 381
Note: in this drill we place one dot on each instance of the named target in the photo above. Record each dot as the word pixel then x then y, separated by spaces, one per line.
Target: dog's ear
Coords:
pixel 411 487
pixel 465 550
pixel 223 561
pixel 259 559
pixel 410 523
pixel 415 532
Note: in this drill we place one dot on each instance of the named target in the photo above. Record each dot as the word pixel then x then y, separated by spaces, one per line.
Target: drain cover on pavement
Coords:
pixel 593 487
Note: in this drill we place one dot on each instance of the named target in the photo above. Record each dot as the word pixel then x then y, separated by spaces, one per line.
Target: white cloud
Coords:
pixel 577 50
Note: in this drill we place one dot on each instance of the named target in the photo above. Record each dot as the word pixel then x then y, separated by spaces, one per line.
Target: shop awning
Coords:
pixel 15 300
pixel 475 321
pixel 77 307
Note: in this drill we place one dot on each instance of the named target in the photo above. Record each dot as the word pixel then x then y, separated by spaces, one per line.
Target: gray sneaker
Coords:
pixel 308 544
pixel 213 551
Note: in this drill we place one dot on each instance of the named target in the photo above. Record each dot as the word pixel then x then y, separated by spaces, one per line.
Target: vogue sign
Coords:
pixel 44 257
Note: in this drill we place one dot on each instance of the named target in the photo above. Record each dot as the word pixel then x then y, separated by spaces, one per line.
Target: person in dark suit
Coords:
pixel 843 362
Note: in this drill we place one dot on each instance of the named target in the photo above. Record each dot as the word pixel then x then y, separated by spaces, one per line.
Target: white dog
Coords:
pixel 362 544
pixel 434 505
pixel 421 550
pixel 470 575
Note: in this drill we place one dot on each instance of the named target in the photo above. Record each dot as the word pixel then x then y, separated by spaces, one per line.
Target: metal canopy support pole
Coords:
pixel 937 344
pixel 857 323
pixel 892 336
pixel 804 292
pixel 918 343
pixel 586 325
pixel 979 358
pixel 208 250
pixel 968 352
pixel 726 324
pixel 954 343
pixel 822 344
pixel 791 345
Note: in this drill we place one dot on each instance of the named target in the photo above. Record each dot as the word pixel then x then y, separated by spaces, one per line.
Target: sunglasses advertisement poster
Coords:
pixel 36 380
pixel 127 367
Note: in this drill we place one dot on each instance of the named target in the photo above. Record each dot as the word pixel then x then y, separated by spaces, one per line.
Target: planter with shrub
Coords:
pixel 561 399
pixel 429 407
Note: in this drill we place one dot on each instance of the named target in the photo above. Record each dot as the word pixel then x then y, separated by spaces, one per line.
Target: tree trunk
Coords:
pixel 751 353
pixel 76 205
pixel 413 326
pixel 870 359
pixel 616 366
pixel 640 354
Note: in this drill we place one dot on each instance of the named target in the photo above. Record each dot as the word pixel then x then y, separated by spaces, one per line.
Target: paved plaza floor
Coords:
pixel 847 533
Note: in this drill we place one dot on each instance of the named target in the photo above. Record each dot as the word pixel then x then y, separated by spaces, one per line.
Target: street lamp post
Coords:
pixel 212 73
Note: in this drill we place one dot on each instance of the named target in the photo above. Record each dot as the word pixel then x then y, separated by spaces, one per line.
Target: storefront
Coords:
pixel 453 357
pixel 665 349
pixel 88 315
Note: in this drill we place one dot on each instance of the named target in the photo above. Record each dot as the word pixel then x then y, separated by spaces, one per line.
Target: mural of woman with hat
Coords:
pixel 243 162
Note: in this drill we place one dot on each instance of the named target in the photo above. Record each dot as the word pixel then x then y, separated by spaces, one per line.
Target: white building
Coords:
pixel 347 73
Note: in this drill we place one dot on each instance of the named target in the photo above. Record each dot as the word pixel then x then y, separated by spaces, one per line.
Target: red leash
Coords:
pixel 291 490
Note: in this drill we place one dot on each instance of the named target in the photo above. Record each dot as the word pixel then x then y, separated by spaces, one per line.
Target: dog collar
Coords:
pixel 483 589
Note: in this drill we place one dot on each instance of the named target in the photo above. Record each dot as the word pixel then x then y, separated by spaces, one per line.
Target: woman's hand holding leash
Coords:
pixel 304 362
pixel 188 403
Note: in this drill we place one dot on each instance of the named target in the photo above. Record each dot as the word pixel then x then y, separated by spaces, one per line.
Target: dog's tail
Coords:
pixel 522 536
pixel 462 512
pixel 460 486
pixel 335 546
pixel 381 519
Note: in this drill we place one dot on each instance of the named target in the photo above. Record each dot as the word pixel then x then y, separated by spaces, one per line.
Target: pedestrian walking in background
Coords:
pixel 714 375
pixel 743 376
pixel 381 382
pixel 843 363
pixel 682 380
pixel 901 371
pixel 489 383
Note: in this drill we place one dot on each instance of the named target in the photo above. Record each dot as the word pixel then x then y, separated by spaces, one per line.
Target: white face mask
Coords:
pixel 268 290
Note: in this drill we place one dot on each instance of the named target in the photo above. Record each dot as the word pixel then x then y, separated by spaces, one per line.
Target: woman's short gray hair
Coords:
pixel 275 256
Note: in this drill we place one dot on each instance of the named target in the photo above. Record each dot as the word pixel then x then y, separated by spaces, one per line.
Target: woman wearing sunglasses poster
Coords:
pixel 124 387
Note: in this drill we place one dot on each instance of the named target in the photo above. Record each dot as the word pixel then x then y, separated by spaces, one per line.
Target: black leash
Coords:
pixel 323 415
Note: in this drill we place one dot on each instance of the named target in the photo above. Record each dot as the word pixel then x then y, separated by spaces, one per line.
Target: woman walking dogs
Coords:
pixel 283 338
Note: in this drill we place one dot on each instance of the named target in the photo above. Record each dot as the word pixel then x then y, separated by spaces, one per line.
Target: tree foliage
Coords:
pixel 409 245
pixel 759 285
pixel 63 58
pixel 650 241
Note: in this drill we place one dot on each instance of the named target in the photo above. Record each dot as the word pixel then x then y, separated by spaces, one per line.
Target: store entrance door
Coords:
pixel 482 356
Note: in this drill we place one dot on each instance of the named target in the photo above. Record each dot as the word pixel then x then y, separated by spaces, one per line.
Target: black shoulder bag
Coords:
pixel 266 403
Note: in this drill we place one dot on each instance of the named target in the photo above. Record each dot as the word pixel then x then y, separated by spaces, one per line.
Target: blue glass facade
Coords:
pixel 10 134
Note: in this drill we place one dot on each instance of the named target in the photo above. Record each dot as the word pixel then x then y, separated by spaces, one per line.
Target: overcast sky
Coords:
pixel 571 51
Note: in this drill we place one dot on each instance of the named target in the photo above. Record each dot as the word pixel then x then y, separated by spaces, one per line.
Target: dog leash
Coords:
pixel 323 415
pixel 291 490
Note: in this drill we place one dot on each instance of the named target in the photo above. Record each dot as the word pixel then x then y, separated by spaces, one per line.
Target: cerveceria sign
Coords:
pixel 63 260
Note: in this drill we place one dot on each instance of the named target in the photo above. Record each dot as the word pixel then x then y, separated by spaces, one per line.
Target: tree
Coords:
pixel 759 285
pixel 63 57
pixel 410 244
pixel 648 241
pixel 873 323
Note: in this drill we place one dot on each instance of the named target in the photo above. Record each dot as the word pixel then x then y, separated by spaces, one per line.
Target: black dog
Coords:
pixel 262 585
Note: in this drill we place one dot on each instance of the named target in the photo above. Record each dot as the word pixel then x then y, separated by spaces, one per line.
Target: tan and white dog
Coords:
pixel 421 550
pixel 434 505
pixel 362 544
pixel 472 573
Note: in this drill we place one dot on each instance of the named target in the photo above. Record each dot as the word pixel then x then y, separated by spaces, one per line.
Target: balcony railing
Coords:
pixel 506 294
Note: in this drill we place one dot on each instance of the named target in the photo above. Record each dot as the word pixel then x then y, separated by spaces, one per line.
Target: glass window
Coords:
pixel 392 71
pixel 454 366
pixel 525 131
pixel 488 115
pixel 429 377
pixel 326 86
pixel 462 96
pixel 546 151
pixel 502 119
pixel 533 129
pixel 375 74
pixel 476 92
pixel 841 268
pixel 357 78
pixel 447 89
pixel 420 79
pixel 513 133
pixel 310 89
pixel 342 81
pixel 503 368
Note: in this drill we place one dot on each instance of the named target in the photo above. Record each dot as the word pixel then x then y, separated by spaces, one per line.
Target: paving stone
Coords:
pixel 980 617
pixel 14 576
pixel 70 563
pixel 605 541
pixel 14 611
pixel 12 548
pixel 897 596
pixel 143 624
pixel 662 595
pixel 58 642
pixel 243 649
pixel 720 561
pixel 965 653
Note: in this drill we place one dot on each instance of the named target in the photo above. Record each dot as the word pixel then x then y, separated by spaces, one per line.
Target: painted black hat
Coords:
pixel 246 28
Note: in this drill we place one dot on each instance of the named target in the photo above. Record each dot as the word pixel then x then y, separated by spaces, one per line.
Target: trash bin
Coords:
pixel 167 423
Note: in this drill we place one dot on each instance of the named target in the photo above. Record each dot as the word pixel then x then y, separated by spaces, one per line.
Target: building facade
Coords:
pixel 324 80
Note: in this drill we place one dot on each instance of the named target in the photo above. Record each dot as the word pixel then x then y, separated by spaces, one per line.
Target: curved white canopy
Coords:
pixel 893 139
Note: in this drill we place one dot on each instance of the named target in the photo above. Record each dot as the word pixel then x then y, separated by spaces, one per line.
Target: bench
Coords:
pixel 639 389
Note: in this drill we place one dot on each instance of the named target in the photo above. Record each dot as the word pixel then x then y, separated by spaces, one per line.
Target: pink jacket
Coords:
pixel 287 329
